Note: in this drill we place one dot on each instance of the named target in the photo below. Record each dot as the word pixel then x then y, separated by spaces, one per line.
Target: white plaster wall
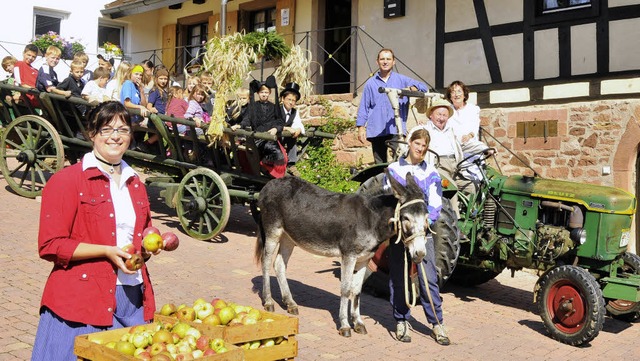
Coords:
pixel 503 11
pixel 583 49
pixel 465 61
pixel 624 53
pixel 510 57
pixel 459 15
pixel 412 38
pixel 546 54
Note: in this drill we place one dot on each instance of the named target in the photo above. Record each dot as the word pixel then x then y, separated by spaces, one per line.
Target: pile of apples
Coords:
pixel 166 342
pixel 216 312
pixel 267 342
pixel 153 242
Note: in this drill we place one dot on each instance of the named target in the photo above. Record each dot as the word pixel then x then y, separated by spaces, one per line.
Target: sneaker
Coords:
pixel 439 334
pixel 402 331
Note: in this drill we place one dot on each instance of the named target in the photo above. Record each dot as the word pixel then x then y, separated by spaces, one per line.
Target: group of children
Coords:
pixel 149 89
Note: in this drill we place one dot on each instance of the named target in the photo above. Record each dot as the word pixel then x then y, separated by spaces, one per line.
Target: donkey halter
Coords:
pixel 398 226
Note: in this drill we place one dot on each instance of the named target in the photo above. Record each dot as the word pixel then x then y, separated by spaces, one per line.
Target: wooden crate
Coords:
pixel 86 349
pixel 281 325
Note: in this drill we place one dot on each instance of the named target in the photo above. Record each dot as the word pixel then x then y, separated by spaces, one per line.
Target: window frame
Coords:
pixel 565 14
pixel 112 24
pixel 267 19
pixel 61 15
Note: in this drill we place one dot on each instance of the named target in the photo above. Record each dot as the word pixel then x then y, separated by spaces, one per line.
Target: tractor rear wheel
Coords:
pixel 571 305
pixel 445 235
pixel 626 310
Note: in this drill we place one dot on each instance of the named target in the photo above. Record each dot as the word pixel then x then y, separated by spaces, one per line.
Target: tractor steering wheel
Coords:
pixel 468 162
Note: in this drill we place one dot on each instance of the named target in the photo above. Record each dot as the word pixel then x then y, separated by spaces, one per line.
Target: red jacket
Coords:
pixel 77 207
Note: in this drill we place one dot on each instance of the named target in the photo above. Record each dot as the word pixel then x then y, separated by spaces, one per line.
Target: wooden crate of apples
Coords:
pixel 261 335
pixel 157 341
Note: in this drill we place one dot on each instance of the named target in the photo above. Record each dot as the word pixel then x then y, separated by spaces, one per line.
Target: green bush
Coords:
pixel 320 165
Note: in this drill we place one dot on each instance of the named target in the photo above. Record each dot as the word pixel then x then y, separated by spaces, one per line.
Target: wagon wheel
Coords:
pixel 31 151
pixel 571 305
pixel 203 204
pixel 621 309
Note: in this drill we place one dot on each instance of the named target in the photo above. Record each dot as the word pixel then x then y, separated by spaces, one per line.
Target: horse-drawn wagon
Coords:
pixel 42 131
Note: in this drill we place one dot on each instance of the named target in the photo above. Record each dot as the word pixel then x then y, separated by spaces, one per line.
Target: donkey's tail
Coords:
pixel 260 240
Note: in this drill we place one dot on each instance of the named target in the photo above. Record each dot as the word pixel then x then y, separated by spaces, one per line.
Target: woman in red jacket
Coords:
pixel 90 211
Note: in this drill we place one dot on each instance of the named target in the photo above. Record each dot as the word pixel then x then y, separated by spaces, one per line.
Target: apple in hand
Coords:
pixel 150 230
pixel 170 241
pixel 130 248
pixel 134 263
pixel 152 242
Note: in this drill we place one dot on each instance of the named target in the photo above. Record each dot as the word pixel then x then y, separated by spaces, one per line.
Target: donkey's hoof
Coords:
pixel 292 310
pixel 345 332
pixel 268 307
pixel 359 328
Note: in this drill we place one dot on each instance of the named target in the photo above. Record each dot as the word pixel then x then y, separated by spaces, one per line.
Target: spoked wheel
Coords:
pixel 621 309
pixel 203 204
pixel 571 305
pixel 31 151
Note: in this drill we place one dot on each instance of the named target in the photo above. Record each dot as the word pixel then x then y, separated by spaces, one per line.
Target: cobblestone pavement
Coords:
pixel 496 320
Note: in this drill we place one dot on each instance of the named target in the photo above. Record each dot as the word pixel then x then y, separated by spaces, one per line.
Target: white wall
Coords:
pixel 81 24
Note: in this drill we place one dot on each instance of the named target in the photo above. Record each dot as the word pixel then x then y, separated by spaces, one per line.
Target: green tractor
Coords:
pixel 575 235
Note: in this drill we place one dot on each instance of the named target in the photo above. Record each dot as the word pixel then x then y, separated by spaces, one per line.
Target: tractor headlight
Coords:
pixel 579 235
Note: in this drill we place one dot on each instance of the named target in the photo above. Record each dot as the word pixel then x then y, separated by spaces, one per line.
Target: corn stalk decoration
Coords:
pixel 230 60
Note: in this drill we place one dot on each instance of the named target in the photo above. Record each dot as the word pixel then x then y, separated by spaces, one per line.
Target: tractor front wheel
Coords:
pixel 571 305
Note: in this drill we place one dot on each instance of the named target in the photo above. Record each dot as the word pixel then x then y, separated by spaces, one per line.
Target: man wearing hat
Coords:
pixel 445 143
pixel 106 63
pixel 375 119
pixel 292 123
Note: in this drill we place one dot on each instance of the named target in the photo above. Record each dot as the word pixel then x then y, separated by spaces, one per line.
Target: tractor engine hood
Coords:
pixel 593 197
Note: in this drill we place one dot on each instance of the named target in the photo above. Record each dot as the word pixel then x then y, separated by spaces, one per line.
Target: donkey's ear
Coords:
pixel 398 189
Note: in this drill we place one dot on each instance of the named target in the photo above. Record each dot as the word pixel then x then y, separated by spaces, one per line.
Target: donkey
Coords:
pixel 294 212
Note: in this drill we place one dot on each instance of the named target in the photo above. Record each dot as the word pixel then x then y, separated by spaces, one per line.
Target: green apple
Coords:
pixel 180 329
pixel 125 347
pixel 168 309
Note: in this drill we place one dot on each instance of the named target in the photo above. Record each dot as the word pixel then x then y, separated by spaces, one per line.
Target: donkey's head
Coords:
pixel 410 216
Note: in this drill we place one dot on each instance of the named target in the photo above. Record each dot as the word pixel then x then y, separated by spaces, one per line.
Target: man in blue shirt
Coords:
pixel 375 120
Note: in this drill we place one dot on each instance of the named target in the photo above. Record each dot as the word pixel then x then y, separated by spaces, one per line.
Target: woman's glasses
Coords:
pixel 108 131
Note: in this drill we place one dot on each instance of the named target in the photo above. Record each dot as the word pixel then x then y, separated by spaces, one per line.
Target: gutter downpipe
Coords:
pixel 223 17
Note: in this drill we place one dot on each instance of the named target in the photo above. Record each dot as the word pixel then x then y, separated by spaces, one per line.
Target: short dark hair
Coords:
pixel 104 113
pixel 31 47
pixel 289 91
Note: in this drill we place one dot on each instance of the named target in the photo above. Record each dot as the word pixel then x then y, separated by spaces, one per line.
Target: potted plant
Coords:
pixel 68 47
pixel 110 50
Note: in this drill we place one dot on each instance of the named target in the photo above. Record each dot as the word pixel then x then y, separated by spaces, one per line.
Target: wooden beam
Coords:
pixel 487 41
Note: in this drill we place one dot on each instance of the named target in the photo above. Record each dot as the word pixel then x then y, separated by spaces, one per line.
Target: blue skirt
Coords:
pixel 55 337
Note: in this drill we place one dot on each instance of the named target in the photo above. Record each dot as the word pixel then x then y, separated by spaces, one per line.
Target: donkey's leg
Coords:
pixel 356 284
pixel 346 276
pixel 280 265
pixel 270 247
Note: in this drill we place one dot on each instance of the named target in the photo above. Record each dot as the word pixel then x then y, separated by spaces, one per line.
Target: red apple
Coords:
pixel 170 241
pixel 202 343
pixel 149 230
pixel 152 242
pixel 130 249
pixel 209 352
pixel 134 263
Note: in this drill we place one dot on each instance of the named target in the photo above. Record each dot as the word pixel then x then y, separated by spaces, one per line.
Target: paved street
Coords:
pixel 493 321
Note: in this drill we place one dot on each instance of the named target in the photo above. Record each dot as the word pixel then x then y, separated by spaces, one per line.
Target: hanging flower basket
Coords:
pixel 67 47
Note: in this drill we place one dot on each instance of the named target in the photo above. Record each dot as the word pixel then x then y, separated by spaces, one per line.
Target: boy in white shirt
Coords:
pixel 95 90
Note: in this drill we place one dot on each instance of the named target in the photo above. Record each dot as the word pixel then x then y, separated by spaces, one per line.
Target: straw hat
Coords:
pixel 439 102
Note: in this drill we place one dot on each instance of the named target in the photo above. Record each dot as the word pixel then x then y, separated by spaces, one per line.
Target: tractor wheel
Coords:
pixel 621 309
pixel 445 238
pixel 446 242
pixel 571 305
pixel 203 204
